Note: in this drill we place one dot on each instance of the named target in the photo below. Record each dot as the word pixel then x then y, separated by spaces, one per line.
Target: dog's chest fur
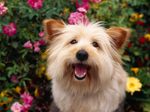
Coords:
pixel 100 102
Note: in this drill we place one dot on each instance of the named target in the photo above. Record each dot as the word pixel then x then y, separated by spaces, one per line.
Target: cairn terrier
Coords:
pixel 85 66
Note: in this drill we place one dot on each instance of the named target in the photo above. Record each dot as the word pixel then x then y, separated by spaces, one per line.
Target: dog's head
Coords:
pixel 82 57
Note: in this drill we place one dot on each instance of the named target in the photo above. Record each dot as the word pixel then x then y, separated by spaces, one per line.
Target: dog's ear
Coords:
pixel 52 28
pixel 119 35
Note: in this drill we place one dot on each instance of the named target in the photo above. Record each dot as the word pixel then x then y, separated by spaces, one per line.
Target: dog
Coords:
pixel 85 66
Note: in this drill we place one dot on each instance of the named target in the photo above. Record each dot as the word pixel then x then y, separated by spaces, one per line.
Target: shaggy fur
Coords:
pixel 103 88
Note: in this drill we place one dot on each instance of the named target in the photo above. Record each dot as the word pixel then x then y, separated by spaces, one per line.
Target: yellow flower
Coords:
pixel 95 6
pixel 48 76
pixel 133 84
pixel 147 36
pixel 41 70
pixel 135 16
pixel 3 93
pixel 6 101
pixel 135 70
pixel 124 4
pixel 44 55
pixel 66 10
pixel 36 92
pixel 18 89
pixel 140 16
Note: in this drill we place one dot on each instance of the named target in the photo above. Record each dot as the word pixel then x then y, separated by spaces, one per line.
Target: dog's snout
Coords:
pixel 82 55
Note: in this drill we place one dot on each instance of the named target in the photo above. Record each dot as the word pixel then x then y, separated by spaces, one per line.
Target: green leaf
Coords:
pixel 146 107
pixel 3 78
pixel 126 58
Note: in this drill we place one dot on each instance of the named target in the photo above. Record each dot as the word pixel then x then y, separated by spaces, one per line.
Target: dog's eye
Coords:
pixel 95 44
pixel 74 41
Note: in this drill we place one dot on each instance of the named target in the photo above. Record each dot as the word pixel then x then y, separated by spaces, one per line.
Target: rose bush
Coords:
pixel 24 85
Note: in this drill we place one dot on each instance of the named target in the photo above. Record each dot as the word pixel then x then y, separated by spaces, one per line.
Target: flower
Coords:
pixel 42 42
pixel 141 23
pixel 16 107
pixel 41 34
pixel 3 93
pixel 135 16
pixel 3 9
pixel 135 69
pixel 129 45
pixel 66 10
pixel 35 4
pixel 77 17
pixel 84 4
pixel 36 46
pixel 147 36
pixel 82 10
pixel 28 45
pixel 142 40
pixel 10 29
pixel 96 1
pixel 133 84
pixel 36 92
pixel 27 98
pixel 44 55
pixel 41 70
pixel 18 89
pixel 14 79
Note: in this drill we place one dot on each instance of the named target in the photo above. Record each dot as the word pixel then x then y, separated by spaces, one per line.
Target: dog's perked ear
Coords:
pixel 52 28
pixel 119 35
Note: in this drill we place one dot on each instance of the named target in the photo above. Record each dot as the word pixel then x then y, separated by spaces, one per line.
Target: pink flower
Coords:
pixel 82 10
pixel 27 99
pixel 41 34
pixel 37 49
pixel 96 1
pixel 3 9
pixel 42 42
pixel 28 45
pixel 14 79
pixel 77 17
pixel 36 46
pixel 84 4
pixel 10 29
pixel 16 107
pixel 35 4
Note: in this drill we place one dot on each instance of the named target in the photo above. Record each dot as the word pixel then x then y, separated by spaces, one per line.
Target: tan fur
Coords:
pixel 104 87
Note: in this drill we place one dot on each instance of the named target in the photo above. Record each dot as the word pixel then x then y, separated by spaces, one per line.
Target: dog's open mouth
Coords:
pixel 80 71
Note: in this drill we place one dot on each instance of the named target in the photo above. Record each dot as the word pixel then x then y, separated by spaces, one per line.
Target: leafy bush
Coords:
pixel 22 56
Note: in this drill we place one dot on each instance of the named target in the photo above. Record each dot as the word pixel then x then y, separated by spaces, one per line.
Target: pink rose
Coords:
pixel 96 1
pixel 3 9
pixel 27 99
pixel 10 29
pixel 41 34
pixel 28 45
pixel 35 4
pixel 16 107
pixel 77 17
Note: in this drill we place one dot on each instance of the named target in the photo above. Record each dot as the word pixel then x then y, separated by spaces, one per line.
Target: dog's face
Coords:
pixel 82 58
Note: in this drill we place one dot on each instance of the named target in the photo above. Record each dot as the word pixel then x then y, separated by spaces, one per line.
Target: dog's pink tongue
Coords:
pixel 80 70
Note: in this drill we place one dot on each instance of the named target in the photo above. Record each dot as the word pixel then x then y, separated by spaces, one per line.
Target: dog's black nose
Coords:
pixel 82 55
